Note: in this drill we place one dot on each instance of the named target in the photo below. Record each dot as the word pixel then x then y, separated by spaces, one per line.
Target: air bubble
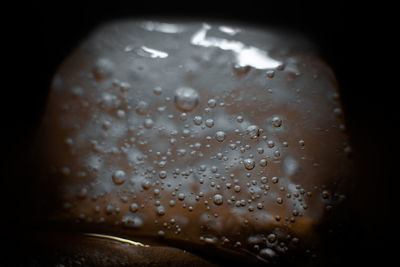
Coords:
pixel 186 98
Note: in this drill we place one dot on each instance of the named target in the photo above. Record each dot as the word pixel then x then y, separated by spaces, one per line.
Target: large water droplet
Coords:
pixel 253 131
pixel 249 164
pixel 186 98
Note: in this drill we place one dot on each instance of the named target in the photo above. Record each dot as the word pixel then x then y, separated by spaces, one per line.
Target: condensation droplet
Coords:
pixel 267 253
pixel 253 131
pixel 270 74
pixel 181 196
pixel 119 177
pixel 271 238
pixel 157 90
pixel 160 210
pixel 186 98
pixel 197 120
pixel 134 207
pixel 220 136
pixel 276 121
pixel 142 108
pixel 212 103
pixel 249 164
pixel 209 123
pixel 263 162
pixel 162 174
pixel 148 123
pixel 218 199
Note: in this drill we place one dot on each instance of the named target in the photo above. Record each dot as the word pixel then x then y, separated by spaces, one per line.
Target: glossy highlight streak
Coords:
pixel 123 240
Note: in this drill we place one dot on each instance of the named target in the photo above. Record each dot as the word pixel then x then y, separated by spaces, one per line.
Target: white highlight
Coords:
pixel 245 55
pixel 117 239
pixel 228 30
pixel 153 53
pixel 162 27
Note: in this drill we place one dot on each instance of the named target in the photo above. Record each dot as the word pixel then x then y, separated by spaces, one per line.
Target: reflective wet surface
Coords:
pixel 203 115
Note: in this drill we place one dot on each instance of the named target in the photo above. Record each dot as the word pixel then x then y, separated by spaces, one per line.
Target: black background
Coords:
pixel 41 35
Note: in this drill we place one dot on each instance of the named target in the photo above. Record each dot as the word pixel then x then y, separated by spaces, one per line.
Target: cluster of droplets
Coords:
pixel 186 100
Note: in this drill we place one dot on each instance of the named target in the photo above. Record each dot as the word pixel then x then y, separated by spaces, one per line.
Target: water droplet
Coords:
pixel 271 238
pixel 279 200
pixel 239 119
pixel 197 120
pixel 134 207
pixel 103 68
pixel 264 180
pixel 142 108
pixel 119 177
pixel 270 143
pixel 240 71
pixel 236 188
pixel 220 136
pixel 132 221
pixel 120 114
pixel 181 196
pixel 209 123
pixel 162 174
pixel 157 90
pixel 270 74
pixel 325 194
pixel 301 142
pixel 212 103
pixel 263 162
pixel 218 199
pixel 186 98
pixel 267 253
pixel 160 210
pixel 253 131
pixel 276 121
pixel 249 164
pixel 148 123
